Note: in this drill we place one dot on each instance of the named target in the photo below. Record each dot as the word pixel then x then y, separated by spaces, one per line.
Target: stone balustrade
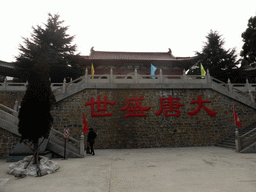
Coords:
pixel 134 78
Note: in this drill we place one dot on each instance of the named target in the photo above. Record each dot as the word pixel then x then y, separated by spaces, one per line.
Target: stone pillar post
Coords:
pixel 238 141
pixel 184 76
pixel 229 85
pixel 136 76
pixel 111 75
pixel 161 79
pixel 247 85
pixel 82 144
pixel 86 76
pixel 64 86
pixel 209 81
pixel 5 83
pixel 16 107
pixel 251 96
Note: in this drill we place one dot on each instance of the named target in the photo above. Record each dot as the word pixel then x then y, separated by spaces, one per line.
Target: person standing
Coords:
pixel 91 139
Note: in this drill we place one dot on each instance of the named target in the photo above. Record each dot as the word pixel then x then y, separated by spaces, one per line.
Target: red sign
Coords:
pixel 66 133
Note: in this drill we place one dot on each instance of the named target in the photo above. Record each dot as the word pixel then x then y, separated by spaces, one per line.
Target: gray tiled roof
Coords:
pixel 163 56
pixel 7 65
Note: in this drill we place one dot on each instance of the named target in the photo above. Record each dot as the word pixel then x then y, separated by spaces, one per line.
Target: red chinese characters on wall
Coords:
pixel 134 108
pixel 169 104
pixel 200 105
pixel 101 106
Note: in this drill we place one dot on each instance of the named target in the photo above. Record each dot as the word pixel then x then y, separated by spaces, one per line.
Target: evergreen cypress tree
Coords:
pixel 54 45
pixel 35 119
pixel 214 57
pixel 249 48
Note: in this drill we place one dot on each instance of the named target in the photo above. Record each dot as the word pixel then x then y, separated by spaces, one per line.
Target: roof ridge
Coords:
pixel 130 52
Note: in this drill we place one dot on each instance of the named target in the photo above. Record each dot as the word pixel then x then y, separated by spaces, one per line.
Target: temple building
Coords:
pixel 124 63
pixel 7 69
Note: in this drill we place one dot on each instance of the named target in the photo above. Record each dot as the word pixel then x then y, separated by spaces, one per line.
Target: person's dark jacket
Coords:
pixel 91 136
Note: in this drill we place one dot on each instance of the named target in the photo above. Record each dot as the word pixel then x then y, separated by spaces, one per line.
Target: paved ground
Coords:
pixel 193 169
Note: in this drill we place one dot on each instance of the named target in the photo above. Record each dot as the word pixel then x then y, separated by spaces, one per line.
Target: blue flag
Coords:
pixel 152 71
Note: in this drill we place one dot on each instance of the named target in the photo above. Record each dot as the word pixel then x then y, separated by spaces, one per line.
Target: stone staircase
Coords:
pixel 247 142
pixel 229 91
pixel 55 144
pixel 9 119
pixel 230 141
pixel 74 148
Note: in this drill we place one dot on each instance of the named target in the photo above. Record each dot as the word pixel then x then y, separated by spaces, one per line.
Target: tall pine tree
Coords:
pixel 249 48
pixel 214 57
pixel 52 45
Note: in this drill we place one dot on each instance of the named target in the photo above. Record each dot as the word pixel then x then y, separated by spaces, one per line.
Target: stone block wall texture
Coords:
pixel 8 98
pixel 116 131
pixel 7 142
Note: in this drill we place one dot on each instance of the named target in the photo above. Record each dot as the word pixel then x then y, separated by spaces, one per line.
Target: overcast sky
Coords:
pixel 132 25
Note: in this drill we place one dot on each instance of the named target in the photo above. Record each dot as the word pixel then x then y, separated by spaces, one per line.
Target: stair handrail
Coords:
pixel 62 89
pixel 244 94
pixel 223 84
pixel 9 110
pixel 9 117
pixel 71 138
pixel 248 132
pixel 230 88
pixel 245 142
pixel 80 145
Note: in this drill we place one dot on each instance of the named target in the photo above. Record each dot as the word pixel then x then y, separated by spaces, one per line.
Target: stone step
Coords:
pixel 230 139
pixel 61 142
pixel 226 146
pixel 231 142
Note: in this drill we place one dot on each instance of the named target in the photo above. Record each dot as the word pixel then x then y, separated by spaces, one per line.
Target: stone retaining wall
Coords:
pixel 7 142
pixel 152 131
pixel 116 131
